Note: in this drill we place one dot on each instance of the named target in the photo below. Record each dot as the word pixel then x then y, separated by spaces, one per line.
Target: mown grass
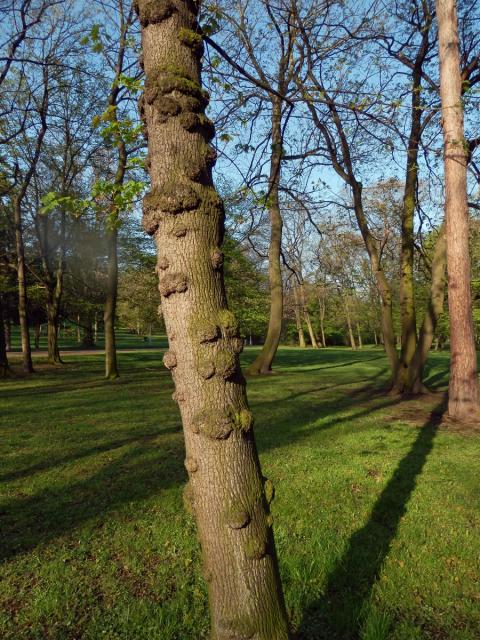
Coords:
pixel 376 509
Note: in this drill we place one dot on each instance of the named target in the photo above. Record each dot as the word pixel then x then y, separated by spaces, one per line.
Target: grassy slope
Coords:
pixel 376 518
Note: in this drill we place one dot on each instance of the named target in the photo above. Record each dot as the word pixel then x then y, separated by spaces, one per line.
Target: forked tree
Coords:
pixel 226 491
pixel 463 392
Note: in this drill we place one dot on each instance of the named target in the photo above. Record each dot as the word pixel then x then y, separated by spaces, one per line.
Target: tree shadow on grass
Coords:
pixel 340 613
pixel 146 468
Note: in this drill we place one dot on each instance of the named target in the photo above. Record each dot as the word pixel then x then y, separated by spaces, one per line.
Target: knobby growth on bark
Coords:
pixel 226 491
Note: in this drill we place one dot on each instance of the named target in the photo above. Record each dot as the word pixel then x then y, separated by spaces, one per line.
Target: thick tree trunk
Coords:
pixel 111 369
pixel 226 491
pixel 463 392
pixel 263 363
pixel 22 288
pixel 298 319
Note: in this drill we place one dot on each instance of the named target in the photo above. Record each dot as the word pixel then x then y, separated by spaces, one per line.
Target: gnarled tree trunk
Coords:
pixel 226 491
pixel 463 392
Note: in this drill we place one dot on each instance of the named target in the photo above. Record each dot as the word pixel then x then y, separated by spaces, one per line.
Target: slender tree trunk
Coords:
pixel 22 288
pixel 298 319
pixel 52 329
pixel 8 333
pixel 359 335
pixel 407 295
pixel 434 309
pixel 308 320
pixel 463 392
pixel 95 329
pixel 226 491
pixel 79 335
pixel 89 336
pixel 321 304
pixel 36 334
pixel 4 366
pixel 263 363
pixel 375 339
pixel 349 325
pixel 111 369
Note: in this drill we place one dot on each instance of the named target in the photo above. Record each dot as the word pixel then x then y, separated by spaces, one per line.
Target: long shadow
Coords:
pixel 339 614
pixel 51 463
pixel 135 475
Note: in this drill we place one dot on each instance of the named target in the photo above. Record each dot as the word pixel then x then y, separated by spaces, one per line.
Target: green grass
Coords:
pixel 376 509
pixel 68 340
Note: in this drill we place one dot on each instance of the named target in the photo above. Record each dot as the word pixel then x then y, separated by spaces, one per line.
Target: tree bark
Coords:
pixel 298 319
pixel 359 335
pixel 111 368
pixel 4 366
pixel 22 287
pixel 306 314
pixel 36 334
pixel 463 392
pixel 8 333
pixel 434 309
pixel 321 303
pixel 263 363
pixel 226 491
pixel 349 325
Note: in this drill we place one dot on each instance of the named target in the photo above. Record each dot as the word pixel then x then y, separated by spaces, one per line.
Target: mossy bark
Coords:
pixel 463 391
pixel 226 491
pixel 263 363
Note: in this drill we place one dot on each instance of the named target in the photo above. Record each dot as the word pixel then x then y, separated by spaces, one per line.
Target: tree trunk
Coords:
pixel 349 325
pixel 463 392
pixel 4 366
pixel 308 320
pixel 52 329
pixel 95 330
pixel 226 491
pixel 111 369
pixel 36 334
pixel 89 337
pixel 360 344
pixel 321 304
pixel 298 319
pixel 434 309
pixel 79 335
pixel 263 363
pixel 22 288
pixel 375 339
pixel 8 333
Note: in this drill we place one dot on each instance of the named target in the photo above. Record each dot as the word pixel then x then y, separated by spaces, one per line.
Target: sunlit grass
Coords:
pixel 376 509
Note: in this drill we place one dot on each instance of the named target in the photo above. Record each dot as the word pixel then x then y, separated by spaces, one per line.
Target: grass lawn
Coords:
pixel 376 509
